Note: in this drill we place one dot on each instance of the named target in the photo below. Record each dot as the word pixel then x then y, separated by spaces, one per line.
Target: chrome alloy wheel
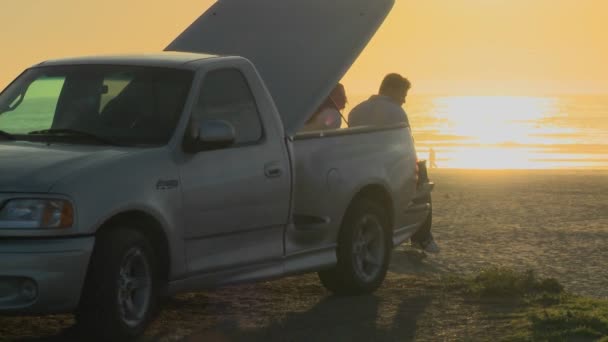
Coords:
pixel 134 287
pixel 369 247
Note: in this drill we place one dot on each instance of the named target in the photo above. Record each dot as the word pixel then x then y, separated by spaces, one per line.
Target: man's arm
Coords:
pixel 405 118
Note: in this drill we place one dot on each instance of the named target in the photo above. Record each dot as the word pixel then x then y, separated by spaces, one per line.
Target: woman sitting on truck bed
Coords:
pixel 328 115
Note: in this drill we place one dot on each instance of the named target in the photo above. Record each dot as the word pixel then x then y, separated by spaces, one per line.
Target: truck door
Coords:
pixel 236 199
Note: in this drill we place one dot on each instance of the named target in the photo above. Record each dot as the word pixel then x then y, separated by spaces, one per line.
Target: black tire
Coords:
pixel 100 315
pixel 344 279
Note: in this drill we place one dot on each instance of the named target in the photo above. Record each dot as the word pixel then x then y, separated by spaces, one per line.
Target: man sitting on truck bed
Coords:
pixel 385 109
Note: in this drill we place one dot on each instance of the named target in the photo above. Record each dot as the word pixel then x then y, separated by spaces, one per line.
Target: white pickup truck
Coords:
pixel 127 178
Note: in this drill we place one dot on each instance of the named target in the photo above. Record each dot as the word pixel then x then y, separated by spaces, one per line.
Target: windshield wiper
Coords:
pixel 74 132
pixel 6 135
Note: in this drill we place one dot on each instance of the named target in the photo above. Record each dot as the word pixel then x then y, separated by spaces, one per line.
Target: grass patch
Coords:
pixel 574 319
pixel 504 282
pixel 549 313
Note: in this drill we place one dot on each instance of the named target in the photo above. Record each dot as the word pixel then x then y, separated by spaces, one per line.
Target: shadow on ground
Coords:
pixel 413 304
pixel 331 319
pixel 406 260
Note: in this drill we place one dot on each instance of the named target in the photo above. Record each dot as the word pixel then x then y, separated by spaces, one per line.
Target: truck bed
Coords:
pixel 333 167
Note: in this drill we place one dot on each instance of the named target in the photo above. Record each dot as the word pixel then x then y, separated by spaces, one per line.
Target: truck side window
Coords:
pixel 225 95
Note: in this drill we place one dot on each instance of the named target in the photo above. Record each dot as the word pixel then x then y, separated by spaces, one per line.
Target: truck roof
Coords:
pixel 180 60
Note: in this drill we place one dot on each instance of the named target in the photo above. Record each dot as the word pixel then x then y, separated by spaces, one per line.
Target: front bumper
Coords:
pixel 43 275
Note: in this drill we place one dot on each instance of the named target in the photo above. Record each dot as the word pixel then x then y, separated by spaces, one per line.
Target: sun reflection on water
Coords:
pixel 505 132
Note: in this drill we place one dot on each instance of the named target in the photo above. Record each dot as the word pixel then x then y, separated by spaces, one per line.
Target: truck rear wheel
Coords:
pixel 364 251
pixel 120 292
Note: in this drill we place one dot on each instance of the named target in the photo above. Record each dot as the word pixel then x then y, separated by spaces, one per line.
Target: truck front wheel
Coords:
pixel 120 292
pixel 364 251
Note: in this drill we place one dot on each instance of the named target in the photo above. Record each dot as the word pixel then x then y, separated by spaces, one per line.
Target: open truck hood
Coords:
pixel 301 48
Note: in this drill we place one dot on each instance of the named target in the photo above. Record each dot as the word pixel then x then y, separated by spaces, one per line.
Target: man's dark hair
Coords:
pixel 394 81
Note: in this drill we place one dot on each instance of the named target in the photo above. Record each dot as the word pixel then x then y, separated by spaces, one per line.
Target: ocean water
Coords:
pixel 510 132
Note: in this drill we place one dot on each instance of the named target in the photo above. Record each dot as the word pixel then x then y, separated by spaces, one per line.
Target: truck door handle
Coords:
pixel 273 170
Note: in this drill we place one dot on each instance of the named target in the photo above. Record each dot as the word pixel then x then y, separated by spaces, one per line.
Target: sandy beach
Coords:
pixel 554 222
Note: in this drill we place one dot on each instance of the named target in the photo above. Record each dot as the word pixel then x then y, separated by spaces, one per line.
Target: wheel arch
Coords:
pixel 151 228
pixel 376 193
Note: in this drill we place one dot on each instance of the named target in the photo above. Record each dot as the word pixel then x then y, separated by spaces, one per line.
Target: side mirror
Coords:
pixel 210 135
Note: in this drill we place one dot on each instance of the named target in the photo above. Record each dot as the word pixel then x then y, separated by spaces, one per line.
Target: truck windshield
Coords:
pixel 127 105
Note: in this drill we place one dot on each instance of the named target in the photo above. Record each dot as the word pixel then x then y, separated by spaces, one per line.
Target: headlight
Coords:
pixel 36 214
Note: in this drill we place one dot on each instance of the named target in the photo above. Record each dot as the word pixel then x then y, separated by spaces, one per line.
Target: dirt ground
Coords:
pixel 555 222
pixel 406 308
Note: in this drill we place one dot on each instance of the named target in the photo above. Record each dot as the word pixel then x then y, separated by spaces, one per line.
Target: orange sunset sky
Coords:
pixel 478 47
